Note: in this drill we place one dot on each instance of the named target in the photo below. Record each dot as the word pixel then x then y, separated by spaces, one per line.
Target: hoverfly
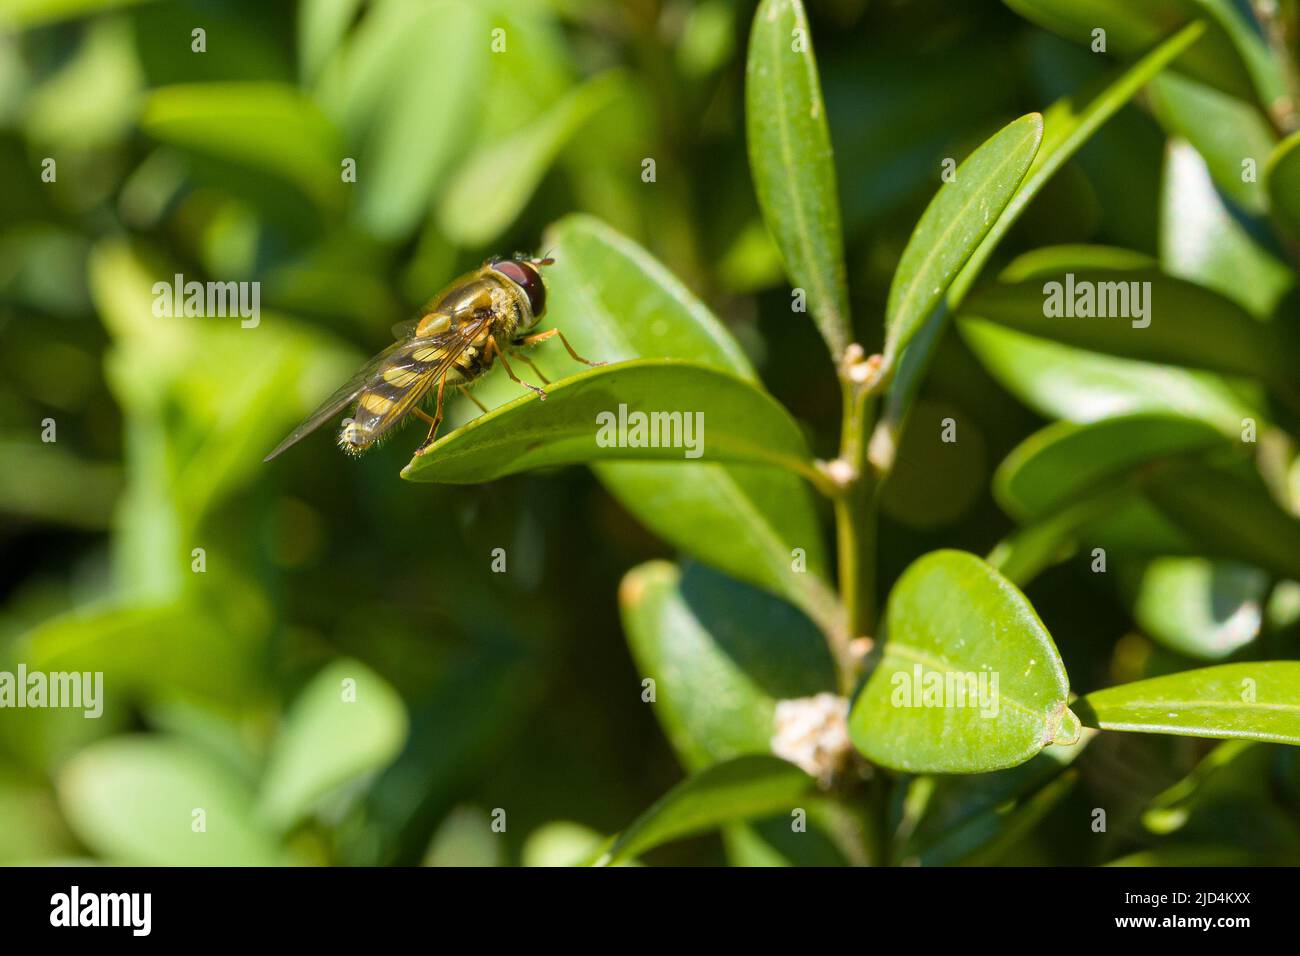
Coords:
pixel 480 317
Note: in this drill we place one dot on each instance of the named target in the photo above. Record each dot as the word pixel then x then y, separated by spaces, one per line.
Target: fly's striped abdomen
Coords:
pixel 398 387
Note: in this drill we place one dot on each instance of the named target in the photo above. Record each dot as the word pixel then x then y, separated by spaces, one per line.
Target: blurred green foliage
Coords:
pixel 482 698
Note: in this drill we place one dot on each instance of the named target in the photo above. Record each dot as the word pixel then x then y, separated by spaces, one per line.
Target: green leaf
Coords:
pixel 1282 175
pixel 495 182
pixel 1232 515
pixel 266 126
pixel 1204 609
pixel 592 416
pixel 563 843
pixel 988 838
pixel 615 302
pixel 953 226
pixel 969 679
pixel 1067 125
pixel 45 483
pixel 403 91
pixel 1233 795
pixel 1149 316
pixel 134 644
pixel 322 25
pixel 721 655
pixel 1223 129
pixel 347 722
pixel 1202 240
pixel 975 819
pixel 1060 381
pixel 1258 700
pixel 740 789
pixel 26 14
pixel 133 801
pixel 790 161
pixel 465 838
pixel 1223 57
pixel 1054 467
pixel 1031 549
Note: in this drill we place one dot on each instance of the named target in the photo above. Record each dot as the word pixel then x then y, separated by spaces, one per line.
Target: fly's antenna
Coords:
pixel 546 260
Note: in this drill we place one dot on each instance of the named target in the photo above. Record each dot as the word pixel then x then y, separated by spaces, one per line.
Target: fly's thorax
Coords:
pixel 465 300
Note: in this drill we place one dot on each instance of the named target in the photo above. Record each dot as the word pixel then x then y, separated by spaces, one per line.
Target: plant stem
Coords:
pixel 855 517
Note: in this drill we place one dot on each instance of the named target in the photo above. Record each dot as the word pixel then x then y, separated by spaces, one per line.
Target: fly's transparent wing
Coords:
pixel 340 400
pixel 397 378
pixel 406 330
pixel 406 377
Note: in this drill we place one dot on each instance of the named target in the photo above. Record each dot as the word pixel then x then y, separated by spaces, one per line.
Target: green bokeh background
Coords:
pixel 476 690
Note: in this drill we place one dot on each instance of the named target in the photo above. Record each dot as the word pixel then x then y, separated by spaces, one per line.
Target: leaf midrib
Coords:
pixel 802 234
pixel 937 246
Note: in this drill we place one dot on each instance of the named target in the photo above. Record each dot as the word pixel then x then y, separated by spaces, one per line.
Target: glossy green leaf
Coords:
pixel 1230 514
pixel 1225 57
pixel 1226 131
pixel 721 655
pixel 740 789
pixel 1258 700
pixel 969 679
pixel 347 722
pixel 790 160
pixel 1061 381
pixel 1283 177
pixel 495 182
pixel 593 415
pixel 953 226
pixel 1204 241
pixel 615 302
pixel 265 126
pixel 1067 125
pixel 134 800
pixel 1140 314
pixel 1055 466
pixel 1204 609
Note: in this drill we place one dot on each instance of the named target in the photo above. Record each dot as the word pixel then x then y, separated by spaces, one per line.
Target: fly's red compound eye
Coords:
pixel 525 275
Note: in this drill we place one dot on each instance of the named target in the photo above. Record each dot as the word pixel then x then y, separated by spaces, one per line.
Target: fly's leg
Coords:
pixel 470 395
pixel 551 333
pixel 435 421
pixel 524 358
pixel 505 363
